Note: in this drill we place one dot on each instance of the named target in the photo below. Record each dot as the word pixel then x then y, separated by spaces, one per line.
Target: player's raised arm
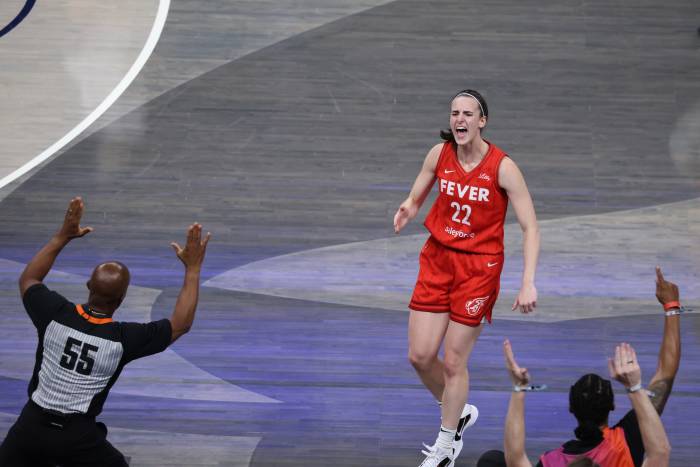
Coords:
pixel 192 256
pixel 421 187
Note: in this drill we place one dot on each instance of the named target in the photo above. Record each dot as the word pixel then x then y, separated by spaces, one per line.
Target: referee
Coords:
pixel 81 353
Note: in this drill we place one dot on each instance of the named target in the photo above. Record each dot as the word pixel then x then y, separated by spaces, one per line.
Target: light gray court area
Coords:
pixel 292 130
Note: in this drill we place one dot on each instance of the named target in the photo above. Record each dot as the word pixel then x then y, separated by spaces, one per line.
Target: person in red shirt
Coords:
pixel 461 263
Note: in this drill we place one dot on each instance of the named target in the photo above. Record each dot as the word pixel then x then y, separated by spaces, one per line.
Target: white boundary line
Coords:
pixel 153 37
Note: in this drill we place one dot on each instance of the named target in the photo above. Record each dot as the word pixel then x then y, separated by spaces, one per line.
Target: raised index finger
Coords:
pixel 508 352
pixel 659 275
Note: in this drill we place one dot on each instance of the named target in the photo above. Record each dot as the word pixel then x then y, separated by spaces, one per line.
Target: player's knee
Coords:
pixel 455 365
pixel 421 361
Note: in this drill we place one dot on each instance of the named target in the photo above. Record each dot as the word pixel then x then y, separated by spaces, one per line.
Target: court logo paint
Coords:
pixel 29 4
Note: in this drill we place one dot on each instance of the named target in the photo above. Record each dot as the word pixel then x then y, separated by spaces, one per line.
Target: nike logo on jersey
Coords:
pixel 483 176
pixel 448 171
pixel 491 264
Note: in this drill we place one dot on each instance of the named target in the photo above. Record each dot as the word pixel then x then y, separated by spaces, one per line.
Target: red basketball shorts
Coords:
pixel 463 284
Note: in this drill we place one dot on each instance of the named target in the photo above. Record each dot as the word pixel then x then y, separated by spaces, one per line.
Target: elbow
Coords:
pixel 179 327
pixel 520 460
pixel 184 329
pixel 532 229
pixel 660 456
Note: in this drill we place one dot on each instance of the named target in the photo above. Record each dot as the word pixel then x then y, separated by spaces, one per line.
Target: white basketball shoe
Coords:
pixel 469 415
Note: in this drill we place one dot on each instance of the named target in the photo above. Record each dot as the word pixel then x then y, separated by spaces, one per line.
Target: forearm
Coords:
pixel 186 305
pixel 670 351
pixel 514 432
pixel 654 437
pixel 531 252
pixel 669 360
pixel 40 265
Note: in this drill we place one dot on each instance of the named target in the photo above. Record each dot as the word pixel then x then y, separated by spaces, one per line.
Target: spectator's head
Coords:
pixel 591 400
pixel 491 459
pixel 583 462
pixel 107 286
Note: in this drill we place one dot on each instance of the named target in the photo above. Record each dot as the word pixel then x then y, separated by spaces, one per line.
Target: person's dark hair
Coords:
pixel 590 400
pixel 483 110
pixel 583 462
pixel 492 459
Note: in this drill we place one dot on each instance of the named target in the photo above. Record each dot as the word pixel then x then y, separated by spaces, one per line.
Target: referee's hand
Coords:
pixel 71 222
pixel 192 255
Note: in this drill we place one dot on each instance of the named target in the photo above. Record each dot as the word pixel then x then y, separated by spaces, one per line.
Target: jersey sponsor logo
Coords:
pixel 458 233
pixel 472 193
pixel 449 171
pixel 484 176
pixel 474 305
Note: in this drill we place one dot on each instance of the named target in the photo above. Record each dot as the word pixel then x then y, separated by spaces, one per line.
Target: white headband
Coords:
pixel 473 97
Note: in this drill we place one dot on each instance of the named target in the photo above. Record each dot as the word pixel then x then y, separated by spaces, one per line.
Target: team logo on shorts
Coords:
pixel 474 305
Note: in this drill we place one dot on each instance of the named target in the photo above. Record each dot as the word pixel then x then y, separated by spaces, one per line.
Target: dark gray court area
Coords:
pixel 313 142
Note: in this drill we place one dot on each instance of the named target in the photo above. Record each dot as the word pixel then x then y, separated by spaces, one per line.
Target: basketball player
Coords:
pixel 461 263
pixel 81 353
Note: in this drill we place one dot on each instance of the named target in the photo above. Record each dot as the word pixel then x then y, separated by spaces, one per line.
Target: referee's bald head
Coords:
pixel 108 285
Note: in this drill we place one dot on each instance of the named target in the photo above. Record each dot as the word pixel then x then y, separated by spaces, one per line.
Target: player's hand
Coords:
pixel 519 376
pixel 526 301
pixel 71 222
pixel 665 291
pixel 403 215
pixel 624 366
pixel 192 255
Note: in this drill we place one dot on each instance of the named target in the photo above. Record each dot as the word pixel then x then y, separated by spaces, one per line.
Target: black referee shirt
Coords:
pixel 79 357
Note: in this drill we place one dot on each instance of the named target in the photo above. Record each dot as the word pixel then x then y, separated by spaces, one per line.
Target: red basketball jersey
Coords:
pixel 470 210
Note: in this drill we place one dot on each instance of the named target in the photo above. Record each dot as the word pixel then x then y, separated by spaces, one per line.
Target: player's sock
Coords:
pixel 445 438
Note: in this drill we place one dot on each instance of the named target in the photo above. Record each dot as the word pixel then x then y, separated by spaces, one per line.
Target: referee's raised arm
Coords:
pixel 192 256
pixel 41 263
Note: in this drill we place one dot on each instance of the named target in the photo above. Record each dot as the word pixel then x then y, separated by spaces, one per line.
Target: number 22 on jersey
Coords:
pixel 458 210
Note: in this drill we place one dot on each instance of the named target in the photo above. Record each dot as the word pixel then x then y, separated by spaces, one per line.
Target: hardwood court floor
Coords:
pixel 313 142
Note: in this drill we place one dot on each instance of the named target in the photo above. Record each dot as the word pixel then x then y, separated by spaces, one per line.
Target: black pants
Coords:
pixel 42 439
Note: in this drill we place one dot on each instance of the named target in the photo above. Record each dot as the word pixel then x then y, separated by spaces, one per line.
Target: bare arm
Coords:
pixel 656 444
pixel 514 432
pixel 192 257
pixel 624 367
pixel 670 351
pixel 421 187
pixel 40 265
pixel 511 179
